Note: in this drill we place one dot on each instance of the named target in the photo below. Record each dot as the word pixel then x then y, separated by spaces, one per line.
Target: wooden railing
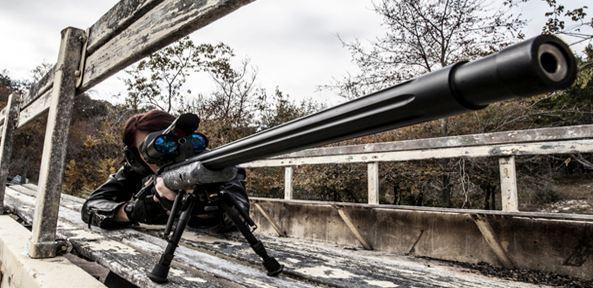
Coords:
pixel 503 145
pixel 129 31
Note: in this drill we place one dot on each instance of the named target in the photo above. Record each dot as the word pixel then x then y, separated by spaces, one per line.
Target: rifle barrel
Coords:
pixel 538 65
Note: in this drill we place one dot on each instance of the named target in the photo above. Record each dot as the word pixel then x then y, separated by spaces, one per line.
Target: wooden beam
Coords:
pixel 508 184
pixel 8 128
pixel 128 32
pixel 43 244
pixel 160 26
pixel 117 19
pixel 490 237
pixel 348 221
pixel 288 173
pixel 533 215
pixel 373 182
pixel 275 226
pixel 577 132
pixel 535 148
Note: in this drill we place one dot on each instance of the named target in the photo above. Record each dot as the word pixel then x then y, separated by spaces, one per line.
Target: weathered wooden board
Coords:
pixel 131 253
pixel 118 18
pixel 338 267
pixel 533 148
pixel 129 31
pixel 539 215
pixel 207 261
pixel 577 132
pixel 158 27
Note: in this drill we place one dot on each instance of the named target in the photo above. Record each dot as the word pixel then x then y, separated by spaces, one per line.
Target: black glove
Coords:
pixel 146 210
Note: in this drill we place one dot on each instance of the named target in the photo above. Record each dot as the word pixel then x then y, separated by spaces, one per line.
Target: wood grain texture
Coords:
pixel 131 253
pixel 532 148
pixel 129 31
pixel 201 259
pixel 118 18
pixel 517 136
pixel 490 238
pixel 162 25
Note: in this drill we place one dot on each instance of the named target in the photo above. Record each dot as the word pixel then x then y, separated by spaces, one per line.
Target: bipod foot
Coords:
pixel 274 268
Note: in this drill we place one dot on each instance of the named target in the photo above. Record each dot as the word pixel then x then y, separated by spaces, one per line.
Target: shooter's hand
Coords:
pixel 163 191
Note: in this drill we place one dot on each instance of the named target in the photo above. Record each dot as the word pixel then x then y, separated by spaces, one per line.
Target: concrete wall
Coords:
pixel 18 270
pixel 534 241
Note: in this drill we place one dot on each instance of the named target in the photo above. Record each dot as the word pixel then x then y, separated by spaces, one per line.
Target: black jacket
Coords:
pixel 123 187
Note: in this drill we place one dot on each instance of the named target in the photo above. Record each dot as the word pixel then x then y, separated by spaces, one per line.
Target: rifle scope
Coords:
pixel 535 66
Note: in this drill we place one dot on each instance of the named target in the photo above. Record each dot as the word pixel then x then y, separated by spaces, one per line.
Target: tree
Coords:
pixel 422 36
pixel 158 81
pixel 564 20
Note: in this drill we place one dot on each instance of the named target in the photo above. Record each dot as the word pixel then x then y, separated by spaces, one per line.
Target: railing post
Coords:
pixel 508 184
pixel 373 182
pixel 43 240
pixel 11 120
pixel 288 171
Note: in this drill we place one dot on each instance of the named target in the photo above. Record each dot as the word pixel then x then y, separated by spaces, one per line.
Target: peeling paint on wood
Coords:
pixel 506 137
pixel 6 142
pixel 158 27
pixel 43 243
pixel 535 148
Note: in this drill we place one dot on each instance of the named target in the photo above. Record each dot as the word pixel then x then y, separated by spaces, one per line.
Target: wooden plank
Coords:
pixel 275 225
pixel 506 137
pixel 373 182
pixel 535 148
pixel 39 88
pixel 350 224
pixel 129 31
pixel 118 18
pixel 288 190
pixel 131 254
pixel 508 184
pixel 162 25
pixel 8 128
pixel 490 237
pixel 538 215
pixel 338 267
pixel 36 108
pixel 43 243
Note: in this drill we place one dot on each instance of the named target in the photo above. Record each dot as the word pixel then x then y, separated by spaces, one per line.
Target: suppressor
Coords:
pixel 538 65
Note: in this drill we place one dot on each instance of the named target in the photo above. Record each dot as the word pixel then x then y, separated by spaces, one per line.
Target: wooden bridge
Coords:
pixel 321 243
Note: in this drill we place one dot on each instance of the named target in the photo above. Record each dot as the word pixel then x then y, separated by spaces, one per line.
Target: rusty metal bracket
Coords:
pixel 80 72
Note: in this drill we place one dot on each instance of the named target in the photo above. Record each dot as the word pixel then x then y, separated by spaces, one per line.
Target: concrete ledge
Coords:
pixel 18 270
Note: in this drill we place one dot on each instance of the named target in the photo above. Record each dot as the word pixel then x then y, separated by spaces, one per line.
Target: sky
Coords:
pixel 293 44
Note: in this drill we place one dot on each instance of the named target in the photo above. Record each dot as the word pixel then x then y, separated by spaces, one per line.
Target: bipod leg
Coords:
pixel 161 270
pixel 274 268
pixel 173 214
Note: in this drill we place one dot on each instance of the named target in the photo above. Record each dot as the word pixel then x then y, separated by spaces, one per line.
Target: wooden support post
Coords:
pixel 10 122
pixel 288 171
pixel 43 240
pixel 373 182
pixel 490 237
pixel 275 226
pixel 508 184
pixel 348 221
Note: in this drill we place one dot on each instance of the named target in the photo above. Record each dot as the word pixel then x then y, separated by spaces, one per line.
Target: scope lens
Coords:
pixel 165 145
pixel 198 142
